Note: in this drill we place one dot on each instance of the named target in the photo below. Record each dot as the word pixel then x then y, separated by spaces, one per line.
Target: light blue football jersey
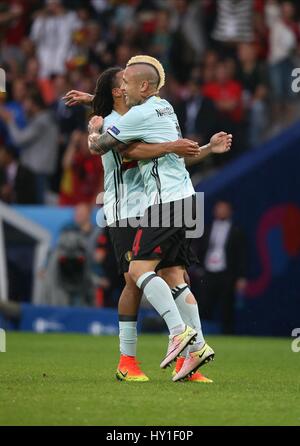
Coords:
pixel 166 178
pixel 124 195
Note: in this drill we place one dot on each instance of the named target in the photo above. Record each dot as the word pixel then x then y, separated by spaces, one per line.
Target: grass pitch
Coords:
pixel 58 379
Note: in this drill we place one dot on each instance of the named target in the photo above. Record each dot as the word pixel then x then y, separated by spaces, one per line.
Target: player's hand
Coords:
pixel 92 141
pixel 221 142
pixel 75 97
pixel 95 124
pixel 185 147
pixel 93 144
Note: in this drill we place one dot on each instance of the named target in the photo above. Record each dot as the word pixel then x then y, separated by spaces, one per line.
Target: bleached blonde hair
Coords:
pixel 148 60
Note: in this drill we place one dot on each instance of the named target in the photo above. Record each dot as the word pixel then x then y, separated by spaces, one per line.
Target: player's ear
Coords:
pixel 144 86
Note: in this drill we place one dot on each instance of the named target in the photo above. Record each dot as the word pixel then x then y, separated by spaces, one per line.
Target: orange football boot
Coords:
pixel 129 370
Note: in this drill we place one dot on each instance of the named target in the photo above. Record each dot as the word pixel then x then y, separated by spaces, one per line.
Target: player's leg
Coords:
pixel 159 295
pixel 178 280
pixel 128 306
pixel 199 354
pixel 150 245
pixel 202 353
pixel 153 242
pixel 157 292
pixel 129 302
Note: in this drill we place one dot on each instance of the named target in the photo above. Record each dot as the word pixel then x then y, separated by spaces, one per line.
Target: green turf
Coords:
pixel 58 379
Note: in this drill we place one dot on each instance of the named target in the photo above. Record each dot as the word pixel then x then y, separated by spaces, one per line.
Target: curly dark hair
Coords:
pixel 103 100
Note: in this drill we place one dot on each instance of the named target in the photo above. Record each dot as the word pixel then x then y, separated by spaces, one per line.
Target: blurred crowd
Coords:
pixel 229 67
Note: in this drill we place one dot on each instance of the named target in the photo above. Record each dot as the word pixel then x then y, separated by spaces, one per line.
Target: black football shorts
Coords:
pixel 163 234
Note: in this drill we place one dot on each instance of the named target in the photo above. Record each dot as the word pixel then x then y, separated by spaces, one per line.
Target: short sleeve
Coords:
pixel 131 127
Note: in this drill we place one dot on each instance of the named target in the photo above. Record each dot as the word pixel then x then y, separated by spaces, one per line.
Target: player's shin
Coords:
pixel 188 308
pixel 128 335
pixel 159 295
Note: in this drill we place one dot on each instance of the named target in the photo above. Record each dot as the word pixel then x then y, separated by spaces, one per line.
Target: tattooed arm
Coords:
pixel 102 144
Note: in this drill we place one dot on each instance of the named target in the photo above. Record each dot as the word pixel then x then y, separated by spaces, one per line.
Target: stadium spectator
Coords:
pixel 82 177
pixel 10 13
pixel 83 224
pixel 38 140
pixel 69 119
pixel 13 23
pixel 105 278
pixel 222 254
pixel 253 78
pixel 261 33
pixel 186 19
pixel 188 42
pixel 31 75
pixel 210 62
pixel 198 118
pixel 284 34
pixel 52 32
pixel 15 106
pixel 197 114
pixel 234 27
pixel 162 38
pixel 226 93
pixel 72 275
pixel 68 278
pixel 17 183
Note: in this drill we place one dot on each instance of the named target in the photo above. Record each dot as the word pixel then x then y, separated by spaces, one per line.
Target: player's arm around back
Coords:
pixel 144 151
pixel 130 128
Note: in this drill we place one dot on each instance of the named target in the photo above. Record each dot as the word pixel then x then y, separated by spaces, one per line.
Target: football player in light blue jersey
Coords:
pixel 126 235
pixel 107 95
pixel 153 120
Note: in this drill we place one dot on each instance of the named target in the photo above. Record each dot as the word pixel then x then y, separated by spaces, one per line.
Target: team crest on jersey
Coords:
pixel 114 130
pixel 128 256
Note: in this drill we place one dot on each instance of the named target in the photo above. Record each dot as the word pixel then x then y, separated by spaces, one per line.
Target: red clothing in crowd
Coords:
pixel 16 31
pixel 82 182
pixel 228 91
